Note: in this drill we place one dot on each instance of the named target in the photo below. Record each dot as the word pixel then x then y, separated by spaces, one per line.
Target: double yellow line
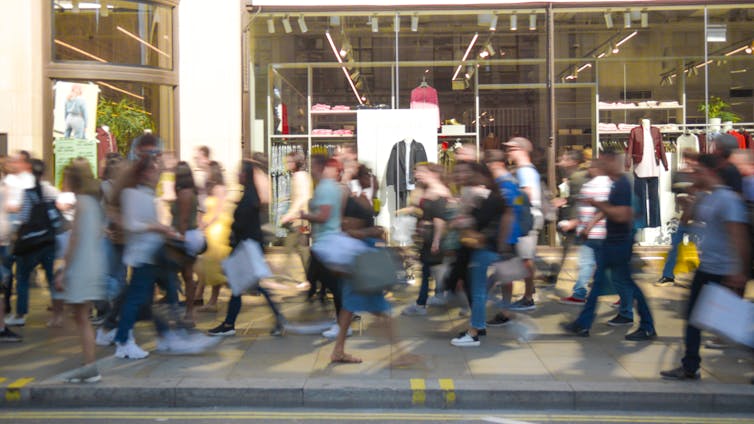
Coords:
pixel 343 416
pixel 419 387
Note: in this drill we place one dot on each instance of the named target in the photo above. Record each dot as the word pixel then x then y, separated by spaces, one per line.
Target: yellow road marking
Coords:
pixel 446 384
pixel 418 387
pixel 13 391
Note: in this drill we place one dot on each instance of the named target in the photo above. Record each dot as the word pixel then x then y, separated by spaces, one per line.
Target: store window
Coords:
pixel 114 31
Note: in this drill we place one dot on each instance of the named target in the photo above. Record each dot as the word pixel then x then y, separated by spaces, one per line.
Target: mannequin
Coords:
pixel 646 152
pixel 400 167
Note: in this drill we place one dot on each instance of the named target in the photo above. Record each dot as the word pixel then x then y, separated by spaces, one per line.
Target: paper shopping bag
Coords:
pixel 722 312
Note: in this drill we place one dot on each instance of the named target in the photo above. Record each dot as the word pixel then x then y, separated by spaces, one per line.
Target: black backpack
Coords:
pixel 41 226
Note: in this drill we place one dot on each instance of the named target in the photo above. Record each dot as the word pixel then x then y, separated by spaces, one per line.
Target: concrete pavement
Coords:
pixel 529 364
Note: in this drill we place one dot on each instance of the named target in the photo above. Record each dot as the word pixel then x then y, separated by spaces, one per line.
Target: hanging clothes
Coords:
pixel 106 144
pixel 739 138
pixel 400 169
pixel 635 150
pixel 425 97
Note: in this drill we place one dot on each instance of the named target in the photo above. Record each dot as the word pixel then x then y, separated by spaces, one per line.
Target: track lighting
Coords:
pixel 514 22
pixel 627 19
pixel 748 50
pixel 271 26
pixel 375 24
pixel 415 23
pixel 302 24
pixel 493 23
pixel 608 20
pixel 287 25
pixel 532 22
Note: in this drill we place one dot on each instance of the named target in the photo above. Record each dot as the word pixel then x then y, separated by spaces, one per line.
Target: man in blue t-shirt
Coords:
pixel 614 259
pixel 724 248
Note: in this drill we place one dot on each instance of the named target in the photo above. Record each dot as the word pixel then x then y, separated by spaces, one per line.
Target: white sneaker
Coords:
pixel 332 333
pixel 130 350
pixel 181 342
pixel 467 340
pixel 104 337
pixel 413 310
pixel 15 321
pixel 438 300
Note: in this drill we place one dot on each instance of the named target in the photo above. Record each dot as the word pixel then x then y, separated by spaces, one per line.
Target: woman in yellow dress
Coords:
pixel 216 224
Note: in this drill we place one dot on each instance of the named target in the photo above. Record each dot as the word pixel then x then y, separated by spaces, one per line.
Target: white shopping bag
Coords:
pixel 338 251
pixel 403 230
pixel 722 312
pixel 245 267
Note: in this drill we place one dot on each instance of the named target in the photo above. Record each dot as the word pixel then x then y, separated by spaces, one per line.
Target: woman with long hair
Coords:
pixel 184 211
pixel 82 280
pixel 216 223
pixel 247 225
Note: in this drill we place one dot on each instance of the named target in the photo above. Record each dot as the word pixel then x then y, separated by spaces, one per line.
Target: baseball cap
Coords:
pixel 519 142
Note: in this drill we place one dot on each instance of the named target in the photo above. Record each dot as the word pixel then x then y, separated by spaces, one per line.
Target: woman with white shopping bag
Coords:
pixel 246 234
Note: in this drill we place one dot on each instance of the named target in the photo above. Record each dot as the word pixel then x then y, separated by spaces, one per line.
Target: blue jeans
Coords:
pixel 587 265
pixel 615 259
pixel 234 307
pixel 675 241
pixel 481 260
pixel 424 289
pixel 25 264
pixel 140 292
pixel 116 270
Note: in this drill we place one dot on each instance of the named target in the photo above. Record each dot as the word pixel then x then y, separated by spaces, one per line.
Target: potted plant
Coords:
pixel 126 120
pixel 718 111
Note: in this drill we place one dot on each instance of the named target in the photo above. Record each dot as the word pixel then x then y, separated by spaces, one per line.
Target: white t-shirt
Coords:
pixel 528 176
pixel 648 166
pixel 598 188
pixel 15 185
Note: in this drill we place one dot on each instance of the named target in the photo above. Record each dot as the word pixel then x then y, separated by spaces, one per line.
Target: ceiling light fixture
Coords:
pixel 514 22
pixel 627 19
pixel 302 24
pixel 746 48
pixel 702 64
pixel 608 20
pixel 601 55
pixel 345 71
pixel 644 19
pixel 615 50
pixel 532 22
pixel 112 87
pixel 140 40
pixel 586 66
pixel 76 6
pixel 271 26
pixel 628 37
pixel 466 55
pixel 493 23
pixel 78 50
pixel 375 24
pixel 415 23
pixel 287 25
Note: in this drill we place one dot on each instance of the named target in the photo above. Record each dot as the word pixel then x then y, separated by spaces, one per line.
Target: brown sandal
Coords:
pixel 344 358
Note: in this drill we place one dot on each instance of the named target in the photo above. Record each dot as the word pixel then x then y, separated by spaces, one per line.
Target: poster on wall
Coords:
pixel 67 149
pixel 74 122
pixel 75 113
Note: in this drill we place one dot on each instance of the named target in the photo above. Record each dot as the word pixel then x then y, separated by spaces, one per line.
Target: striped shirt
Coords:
pixel 598 188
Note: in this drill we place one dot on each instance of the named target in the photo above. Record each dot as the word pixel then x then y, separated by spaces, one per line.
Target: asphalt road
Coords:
pixel 221 415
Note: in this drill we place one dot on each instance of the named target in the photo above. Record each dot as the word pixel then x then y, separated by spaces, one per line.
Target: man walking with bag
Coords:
pixel 724 257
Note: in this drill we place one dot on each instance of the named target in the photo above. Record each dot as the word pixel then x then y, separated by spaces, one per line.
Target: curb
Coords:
pixel 391 394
